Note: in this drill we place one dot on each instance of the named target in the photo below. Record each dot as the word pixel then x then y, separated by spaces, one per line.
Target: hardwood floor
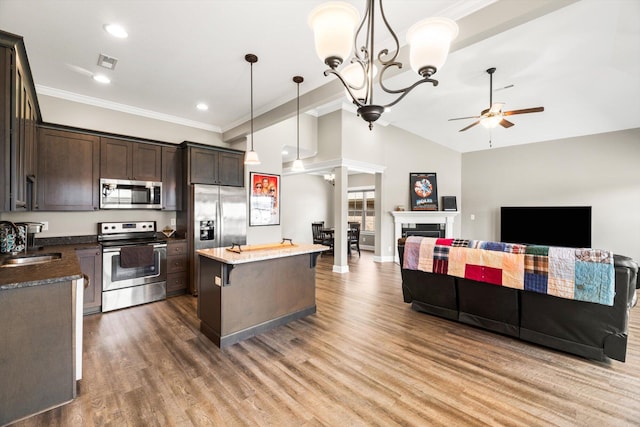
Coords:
pixel 365 358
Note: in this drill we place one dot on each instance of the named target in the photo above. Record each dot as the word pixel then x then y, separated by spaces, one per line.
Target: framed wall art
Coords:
pixel 264 203
pixel 424 191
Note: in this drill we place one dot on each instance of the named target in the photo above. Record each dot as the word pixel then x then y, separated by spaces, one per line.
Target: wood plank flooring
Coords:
pixel 365 358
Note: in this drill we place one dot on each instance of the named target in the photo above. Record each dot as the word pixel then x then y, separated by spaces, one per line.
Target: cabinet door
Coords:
pixel 6 59
pixel 115 159
pixel 68 167
pixel 203 166
pixel 231 169
pixel 91 265
pixel 147 163
pixel 18 173
pixel 171 178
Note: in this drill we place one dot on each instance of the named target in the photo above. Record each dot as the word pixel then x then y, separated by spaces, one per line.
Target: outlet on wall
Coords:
pixel 45 225
pixel 173 221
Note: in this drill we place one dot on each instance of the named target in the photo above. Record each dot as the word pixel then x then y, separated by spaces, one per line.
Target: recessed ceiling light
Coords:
pixel 116 31
pixel 101 78
pixel 202 106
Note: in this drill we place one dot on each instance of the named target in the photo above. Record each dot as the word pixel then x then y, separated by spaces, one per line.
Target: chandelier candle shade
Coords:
pixel 336 31
pixel 297 163
pixel 251 157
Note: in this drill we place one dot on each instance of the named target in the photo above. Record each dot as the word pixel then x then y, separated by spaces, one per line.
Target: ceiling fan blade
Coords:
pixel 464 118
pixel 524 111
pixel 506 123
pixel 470 126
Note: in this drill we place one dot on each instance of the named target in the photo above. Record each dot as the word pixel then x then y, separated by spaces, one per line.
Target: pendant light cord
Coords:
pixel 298 126
pixel 251 106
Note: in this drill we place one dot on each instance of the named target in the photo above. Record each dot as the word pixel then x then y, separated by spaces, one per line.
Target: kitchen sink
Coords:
pixel 20 260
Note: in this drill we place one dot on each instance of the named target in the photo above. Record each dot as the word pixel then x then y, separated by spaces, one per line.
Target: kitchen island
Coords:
pixel 40 338
pixel 244 294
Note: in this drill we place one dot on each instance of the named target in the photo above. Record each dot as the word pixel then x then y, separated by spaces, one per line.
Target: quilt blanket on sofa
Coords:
pixel 579 274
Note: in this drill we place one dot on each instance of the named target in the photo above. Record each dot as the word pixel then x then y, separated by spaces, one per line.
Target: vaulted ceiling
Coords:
pixel 578 59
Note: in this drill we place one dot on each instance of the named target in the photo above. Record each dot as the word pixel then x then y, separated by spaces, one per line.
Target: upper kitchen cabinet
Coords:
pixel 171 178
pixel 214 166
pixel 120 159
pixel 69 168
pixel 19 115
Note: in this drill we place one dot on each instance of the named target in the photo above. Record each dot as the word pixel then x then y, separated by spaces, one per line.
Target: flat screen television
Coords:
pixel 568 226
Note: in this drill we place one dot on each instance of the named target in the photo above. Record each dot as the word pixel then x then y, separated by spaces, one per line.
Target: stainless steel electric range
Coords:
pixel 134 263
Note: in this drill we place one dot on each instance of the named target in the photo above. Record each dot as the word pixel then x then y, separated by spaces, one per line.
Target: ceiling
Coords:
pixel 581 62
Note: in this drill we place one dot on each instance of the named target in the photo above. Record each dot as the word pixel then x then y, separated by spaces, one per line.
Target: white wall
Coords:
pixel 401 153
pixel 602 171
pixel 86 223
pixel 305 199
pixel 64 112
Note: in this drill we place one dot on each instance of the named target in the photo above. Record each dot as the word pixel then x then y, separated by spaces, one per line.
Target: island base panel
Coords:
pixel 239 301
pixel 236 337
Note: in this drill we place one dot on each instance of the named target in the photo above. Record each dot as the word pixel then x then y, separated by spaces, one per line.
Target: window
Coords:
pixel 362 209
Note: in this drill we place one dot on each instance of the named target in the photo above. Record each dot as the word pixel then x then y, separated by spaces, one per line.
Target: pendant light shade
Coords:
pixel 297 164
pixel 251 157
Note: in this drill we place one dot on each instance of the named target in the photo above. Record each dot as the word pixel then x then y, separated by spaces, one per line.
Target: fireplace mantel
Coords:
pixel 422 217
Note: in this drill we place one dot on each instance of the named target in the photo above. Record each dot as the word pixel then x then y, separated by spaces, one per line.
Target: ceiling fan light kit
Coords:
pixel 494 116
pixel 336 32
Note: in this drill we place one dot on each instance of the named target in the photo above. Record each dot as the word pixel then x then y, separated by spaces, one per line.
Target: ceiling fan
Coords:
pixel 494 116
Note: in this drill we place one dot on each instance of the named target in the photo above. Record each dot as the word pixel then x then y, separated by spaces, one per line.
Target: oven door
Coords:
pixel 114 276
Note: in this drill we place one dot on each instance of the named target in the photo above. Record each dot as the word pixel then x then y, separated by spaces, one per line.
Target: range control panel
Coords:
pixel 126 227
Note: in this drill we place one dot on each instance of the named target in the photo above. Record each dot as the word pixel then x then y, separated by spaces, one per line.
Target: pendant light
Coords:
pixel 251 157
pixel 297 164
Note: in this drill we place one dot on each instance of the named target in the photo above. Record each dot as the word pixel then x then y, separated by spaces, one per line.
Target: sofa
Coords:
pixel 587 329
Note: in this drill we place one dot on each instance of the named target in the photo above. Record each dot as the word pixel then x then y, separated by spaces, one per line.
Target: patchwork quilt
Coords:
pixel 579 274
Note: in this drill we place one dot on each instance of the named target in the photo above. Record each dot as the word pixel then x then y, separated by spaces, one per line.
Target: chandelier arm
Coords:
pixel 395 38
pixel 354 99
pixel 406 90
pixel 356 35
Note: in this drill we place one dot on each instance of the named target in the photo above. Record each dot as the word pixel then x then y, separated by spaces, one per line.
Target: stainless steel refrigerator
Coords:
pixel 217 218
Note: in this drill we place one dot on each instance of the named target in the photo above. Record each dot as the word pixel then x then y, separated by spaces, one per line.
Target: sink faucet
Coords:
pixel 16 230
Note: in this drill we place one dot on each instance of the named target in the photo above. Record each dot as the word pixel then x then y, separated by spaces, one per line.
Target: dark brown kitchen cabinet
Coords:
pixel 69 170
pixel 171 178
pixel 120 159
pixel 213 166
pixel 91 266
pixel 177 267
pixel 19 114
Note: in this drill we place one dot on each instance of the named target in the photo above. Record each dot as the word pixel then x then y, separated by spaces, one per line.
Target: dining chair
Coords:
pixel 354 236
pixel 319 236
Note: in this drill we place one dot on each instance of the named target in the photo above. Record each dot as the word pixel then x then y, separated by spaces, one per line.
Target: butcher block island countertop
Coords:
pixel 243 294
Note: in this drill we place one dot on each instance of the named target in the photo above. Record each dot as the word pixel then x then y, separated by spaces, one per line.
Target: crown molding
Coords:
pixel 101 103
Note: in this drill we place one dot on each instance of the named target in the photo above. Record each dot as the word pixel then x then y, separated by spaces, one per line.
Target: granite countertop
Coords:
pixel 228 257
pixel 65 268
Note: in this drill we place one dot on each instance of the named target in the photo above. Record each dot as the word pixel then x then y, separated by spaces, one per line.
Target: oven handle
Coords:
pixel 117 248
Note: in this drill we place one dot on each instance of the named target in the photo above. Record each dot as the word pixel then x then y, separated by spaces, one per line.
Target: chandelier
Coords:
pixel 334 26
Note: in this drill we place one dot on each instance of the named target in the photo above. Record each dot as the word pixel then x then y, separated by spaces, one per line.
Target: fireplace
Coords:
pixel 424 230
pixel 412 219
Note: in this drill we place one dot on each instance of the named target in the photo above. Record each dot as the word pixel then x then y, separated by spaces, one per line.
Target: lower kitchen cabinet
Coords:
pixel 91 266
pixel 177 267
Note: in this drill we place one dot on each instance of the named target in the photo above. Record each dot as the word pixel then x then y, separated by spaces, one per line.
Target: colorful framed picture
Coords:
pixel 424 191
pixel 264 200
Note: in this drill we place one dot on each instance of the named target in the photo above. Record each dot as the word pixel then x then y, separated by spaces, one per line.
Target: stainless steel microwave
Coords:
pixel 125 194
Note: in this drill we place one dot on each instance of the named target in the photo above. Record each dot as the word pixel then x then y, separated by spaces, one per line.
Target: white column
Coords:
pixel 340 223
